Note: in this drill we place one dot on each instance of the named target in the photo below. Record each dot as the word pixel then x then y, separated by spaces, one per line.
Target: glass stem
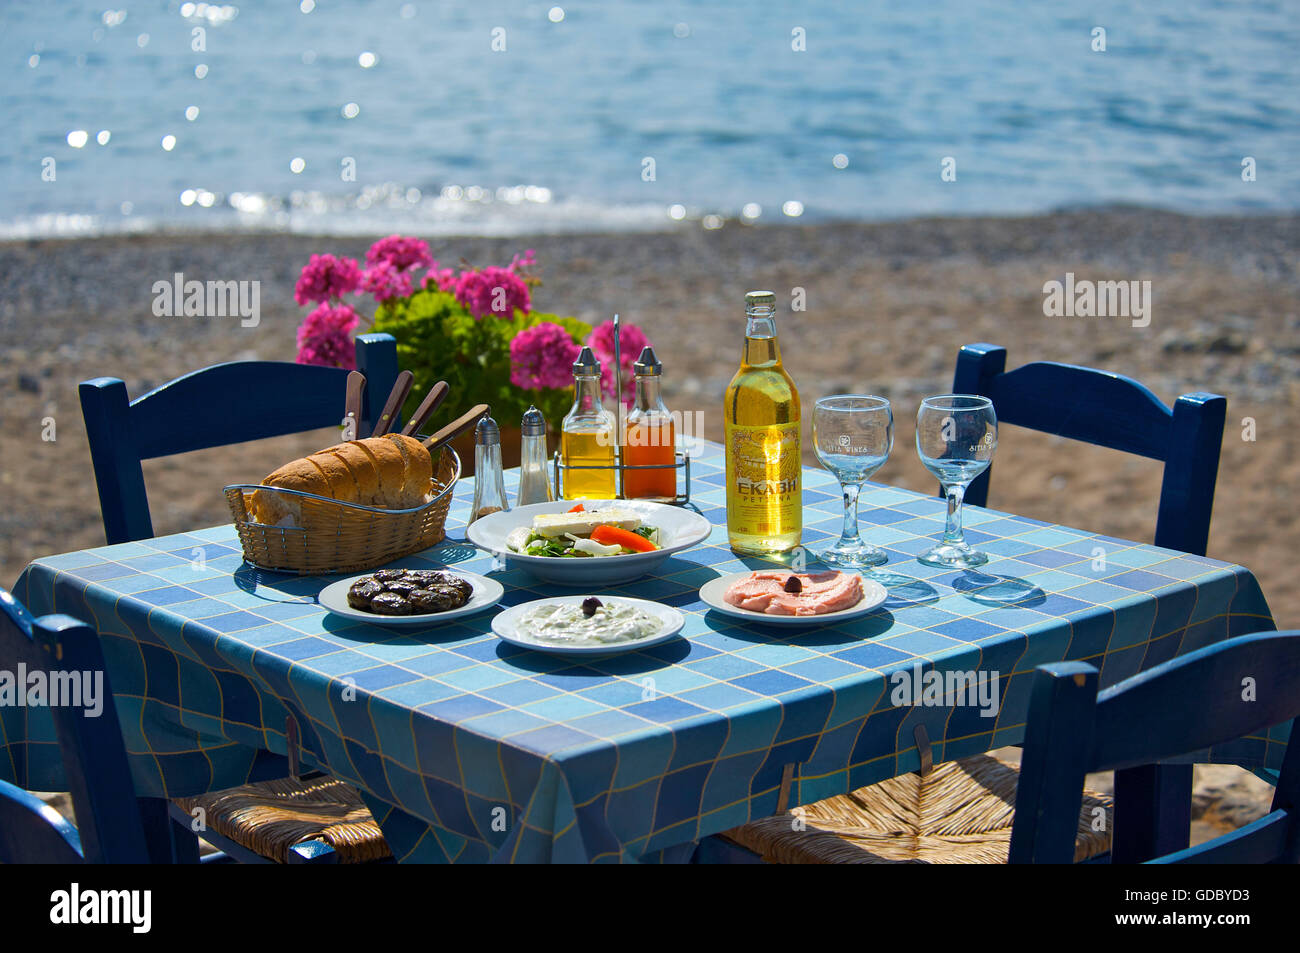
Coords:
pixel 849 536
pixel 952 534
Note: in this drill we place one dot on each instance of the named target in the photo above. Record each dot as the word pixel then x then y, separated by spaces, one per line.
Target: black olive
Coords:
pixel 793 584
pixel 590 605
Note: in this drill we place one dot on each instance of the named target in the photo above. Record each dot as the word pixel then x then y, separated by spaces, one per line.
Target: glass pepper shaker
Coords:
pixel 534 484
pixel 489 480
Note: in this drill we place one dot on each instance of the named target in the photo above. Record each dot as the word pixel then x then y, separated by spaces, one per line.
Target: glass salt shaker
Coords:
pixel 489 480
pixel 534 484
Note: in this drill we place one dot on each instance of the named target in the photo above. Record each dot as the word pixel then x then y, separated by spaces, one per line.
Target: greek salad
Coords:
pixel 584 533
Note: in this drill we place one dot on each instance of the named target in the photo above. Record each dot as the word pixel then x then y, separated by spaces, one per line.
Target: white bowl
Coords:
pixel 679 529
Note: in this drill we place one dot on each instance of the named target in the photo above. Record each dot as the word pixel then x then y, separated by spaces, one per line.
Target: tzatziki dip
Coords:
pixel 560 623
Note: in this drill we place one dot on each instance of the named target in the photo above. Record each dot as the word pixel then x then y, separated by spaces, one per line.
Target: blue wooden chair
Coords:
pixel 1114 411
pixel 109 827
pixel 214 407
pixel 1096 407
pixel 1185 705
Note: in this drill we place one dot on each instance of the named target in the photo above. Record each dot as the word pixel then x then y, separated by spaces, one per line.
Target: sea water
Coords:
pixel 503 118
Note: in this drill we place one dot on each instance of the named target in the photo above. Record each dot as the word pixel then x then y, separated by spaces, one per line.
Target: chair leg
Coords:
pixel 1153 812
pixel 166 839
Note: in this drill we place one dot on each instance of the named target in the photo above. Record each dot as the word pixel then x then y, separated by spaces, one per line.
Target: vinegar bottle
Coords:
pixel 762 435
pixel 650 437
pixel 587 437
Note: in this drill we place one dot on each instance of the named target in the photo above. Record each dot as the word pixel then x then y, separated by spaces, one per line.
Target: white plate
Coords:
pixel 679 528
pixel 506 626
pixel 873 594
pixel 487 593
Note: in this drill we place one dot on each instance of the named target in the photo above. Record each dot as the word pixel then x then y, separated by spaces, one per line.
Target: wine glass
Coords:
pixel 852 436
pixel 956 435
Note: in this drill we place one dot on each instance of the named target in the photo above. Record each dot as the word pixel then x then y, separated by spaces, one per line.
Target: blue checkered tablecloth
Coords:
pixel 469 749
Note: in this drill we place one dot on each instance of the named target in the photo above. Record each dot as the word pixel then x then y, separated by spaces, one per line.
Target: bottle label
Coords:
pixel 763 470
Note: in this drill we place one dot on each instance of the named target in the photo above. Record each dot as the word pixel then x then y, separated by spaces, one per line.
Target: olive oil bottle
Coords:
pixel 762 424
pixel 587 436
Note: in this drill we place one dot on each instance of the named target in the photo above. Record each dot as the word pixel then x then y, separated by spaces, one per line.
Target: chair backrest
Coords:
pixel 214 407
pixel 1215 694
pixel 63 656
pixel 1113 411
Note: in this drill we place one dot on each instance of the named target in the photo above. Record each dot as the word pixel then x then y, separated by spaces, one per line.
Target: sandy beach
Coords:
pixel 888 305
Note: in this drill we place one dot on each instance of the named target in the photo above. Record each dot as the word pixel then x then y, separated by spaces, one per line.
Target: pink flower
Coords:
pixel 401 252
pixel 325 337
pixel 542 357
pixel 444 279
pixel 519 262
pixel 326 278
pixel 496 291
pixel 385 281
pixel 631 340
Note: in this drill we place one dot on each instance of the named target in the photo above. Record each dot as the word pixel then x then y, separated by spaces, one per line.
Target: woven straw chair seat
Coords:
pixel 269 818
pixel 960 813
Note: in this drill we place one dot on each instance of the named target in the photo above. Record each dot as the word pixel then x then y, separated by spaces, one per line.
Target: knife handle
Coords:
pixel 396 397
pixel 352 404
pixel 457 426
pixel 432 400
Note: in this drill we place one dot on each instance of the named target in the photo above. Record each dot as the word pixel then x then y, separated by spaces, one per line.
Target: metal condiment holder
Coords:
pixel 683 463
pixel 682 460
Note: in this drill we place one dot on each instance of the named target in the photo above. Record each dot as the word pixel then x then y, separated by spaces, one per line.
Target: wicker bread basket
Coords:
pixel 336 537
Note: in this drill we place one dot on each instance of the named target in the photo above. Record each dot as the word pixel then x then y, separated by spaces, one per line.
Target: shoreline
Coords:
pixel 362 227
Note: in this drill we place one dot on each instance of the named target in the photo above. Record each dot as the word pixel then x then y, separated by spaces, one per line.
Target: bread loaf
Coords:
pixel 393 472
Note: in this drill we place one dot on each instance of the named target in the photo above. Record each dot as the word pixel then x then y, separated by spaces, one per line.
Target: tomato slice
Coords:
pixel 576 509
